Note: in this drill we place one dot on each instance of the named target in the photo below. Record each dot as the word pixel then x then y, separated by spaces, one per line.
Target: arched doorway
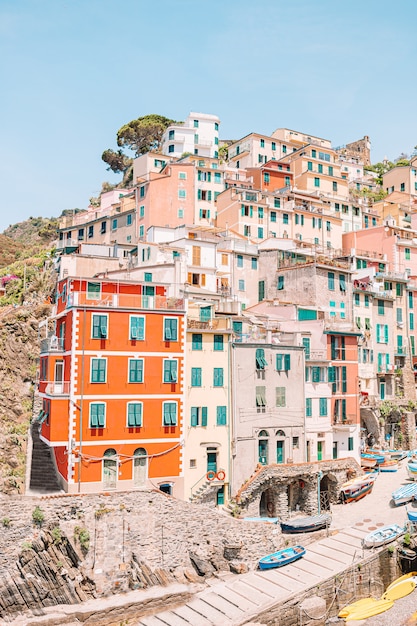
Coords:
pixel 263 447
pixel 267 504
pixel 110 469
pixel 293 495
pixel 140 468
pixel 327 492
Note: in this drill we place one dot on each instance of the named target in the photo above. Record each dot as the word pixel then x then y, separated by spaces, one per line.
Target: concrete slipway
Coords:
pixel 238 599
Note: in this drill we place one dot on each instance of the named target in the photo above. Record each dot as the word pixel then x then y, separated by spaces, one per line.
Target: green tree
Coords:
pixel 380 169
pixel 144 134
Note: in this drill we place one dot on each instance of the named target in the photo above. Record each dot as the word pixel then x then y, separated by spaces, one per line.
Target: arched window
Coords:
pixel 280 433
pixel 140 467
pixel 263 433
pixel 110 469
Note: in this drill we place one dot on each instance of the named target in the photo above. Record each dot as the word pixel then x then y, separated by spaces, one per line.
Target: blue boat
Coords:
pixel 412 516
pixel 412 470
pixel 383 535
pixel 404 494
pixel 373 456
pixel 282 557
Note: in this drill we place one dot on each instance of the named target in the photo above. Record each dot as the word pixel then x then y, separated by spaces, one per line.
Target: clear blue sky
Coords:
pixel 73 71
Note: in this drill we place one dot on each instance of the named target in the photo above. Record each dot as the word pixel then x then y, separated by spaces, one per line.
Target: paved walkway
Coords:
pixel 241 598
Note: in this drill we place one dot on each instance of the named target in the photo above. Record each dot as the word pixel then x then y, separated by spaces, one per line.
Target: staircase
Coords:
pixel 43 476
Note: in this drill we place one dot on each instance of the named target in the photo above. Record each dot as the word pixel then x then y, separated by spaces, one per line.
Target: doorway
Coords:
pixel 139 467
pixel 110 469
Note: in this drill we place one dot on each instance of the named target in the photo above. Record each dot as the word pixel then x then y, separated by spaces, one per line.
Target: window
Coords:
pixel 284 149
pixel 141 212
pixel 100 326
pixel 266 178
pixel 136 370
pixel 93 291
pixel 402 187
pixel 147 277
pixel 254 263
pixel 260 213
pixel 262 143
pixel 260 399
pixel 280 396
pixel 323 407
pixel 171 135
pixel 239 260
pixel 366 298
pixel 334 185
pixel 357 299
pixel 350 444
pixel 260 360
pixel 328 226
pixel 280 285
pixel 330 170
pixel 137 328
pixel 170 329
pixel 411 321
pixel 330 281
pixel 182 193
pixel 141 231
pixel 309 410
pixel 241 285
pixel 90 232
pixel 407 254
pixel 80 234
pixel 195 123
pixel 260 232
pixel 196 377
pixel 306 346
pixel 198 416
pixel 170 371
pixel 273 145
pixel 285 218
pixel 218 343
pixel 195 138
pixel 295 442
pixel 182 175
pixel 381 307
pixel 103 227
pixel 216 126
pixel 114 224
pixel 277 203
pixel 317 182
pixel 98 370
pixel 332 308
pixel 169 413
pixel 310 165
pixel 337 347
pixel 134 414
pixel 171 148
pixel 218 377
pixel 410 300
pixel 273 216
pixel 399 316
pixel 342 311
pixel 342 282
pixel 142 192
pixel 129 219
pixel 197 341
pixel 221 416
pixel 97 415
pixel 320 168
pixel 287 181
pixel 283 362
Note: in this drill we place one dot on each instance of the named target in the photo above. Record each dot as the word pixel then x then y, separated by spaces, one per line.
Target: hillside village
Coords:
pixel 236 325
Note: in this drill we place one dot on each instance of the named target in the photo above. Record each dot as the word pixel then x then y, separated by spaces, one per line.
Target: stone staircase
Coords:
pixel 43 478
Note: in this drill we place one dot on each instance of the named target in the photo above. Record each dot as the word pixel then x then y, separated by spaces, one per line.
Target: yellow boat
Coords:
pixel 401 587
pixel 362 609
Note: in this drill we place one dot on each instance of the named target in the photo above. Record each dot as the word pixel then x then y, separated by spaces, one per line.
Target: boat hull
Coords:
pixel 353 494
pixel 365 608
pixel 282 557
pixel 306 525
pixel 404 494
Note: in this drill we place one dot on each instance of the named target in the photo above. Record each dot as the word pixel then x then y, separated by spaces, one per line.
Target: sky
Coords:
pixel 72 72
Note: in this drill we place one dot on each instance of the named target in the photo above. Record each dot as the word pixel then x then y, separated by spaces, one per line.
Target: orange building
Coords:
pixel 111 379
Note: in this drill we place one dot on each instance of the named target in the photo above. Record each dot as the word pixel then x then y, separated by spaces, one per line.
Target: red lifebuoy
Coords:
pixel 211 475
pixel 221 475
pixel 301 483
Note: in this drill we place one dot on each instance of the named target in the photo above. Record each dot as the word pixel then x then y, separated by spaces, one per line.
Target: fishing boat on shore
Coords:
pixel 382 536
pixel 397 455
pixel 307 524
pixel 269 520
pixel 282 557
pixel 357 488
pixel 368 461
pixel 412 516
pixel 404 494
pixel 412 470
pixel 388 466
pixel 373 456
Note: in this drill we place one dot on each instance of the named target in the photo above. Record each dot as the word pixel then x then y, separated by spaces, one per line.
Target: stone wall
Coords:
pixel 136 540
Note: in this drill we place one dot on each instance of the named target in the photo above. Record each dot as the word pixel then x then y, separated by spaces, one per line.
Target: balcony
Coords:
pixel 56 388
pixel 213 324
pixel 52 344
pixel 125 301
pixel 317 355
pixel 345 423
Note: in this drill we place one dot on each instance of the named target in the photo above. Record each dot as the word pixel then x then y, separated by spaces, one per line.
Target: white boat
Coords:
pixel 404 494
pixel 383 535
pixel 412 470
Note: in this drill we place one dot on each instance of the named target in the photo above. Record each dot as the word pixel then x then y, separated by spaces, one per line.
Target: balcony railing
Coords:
pixel 316 355
pixel 125 301
pixel 52 344
pixel 57 388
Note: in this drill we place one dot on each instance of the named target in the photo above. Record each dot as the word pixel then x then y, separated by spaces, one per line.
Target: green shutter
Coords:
pixel 315 377
pixel 344 380
pixel 287 362
pixel 221 416
pixel 194 416
pixel 331 374
pixel 204 416
pixel 279 361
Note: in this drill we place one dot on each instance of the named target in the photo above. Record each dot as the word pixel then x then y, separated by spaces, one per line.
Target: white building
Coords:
pixel 198 135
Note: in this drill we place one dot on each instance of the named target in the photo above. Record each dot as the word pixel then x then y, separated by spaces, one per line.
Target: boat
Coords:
pixel 397 455
pixel 382 536
pixel 412 516
pixel 307 524
pixel 412 470
pixel 367 460
pixel 404 494
pixel 401 587
pixel 270 520
pixel 367 607
pixel 388 466
pixel 357 488
pixel 378 458
pixel 282 557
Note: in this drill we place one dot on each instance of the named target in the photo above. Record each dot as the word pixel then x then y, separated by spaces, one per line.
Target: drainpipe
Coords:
pixel 319 477
pixel 82 399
